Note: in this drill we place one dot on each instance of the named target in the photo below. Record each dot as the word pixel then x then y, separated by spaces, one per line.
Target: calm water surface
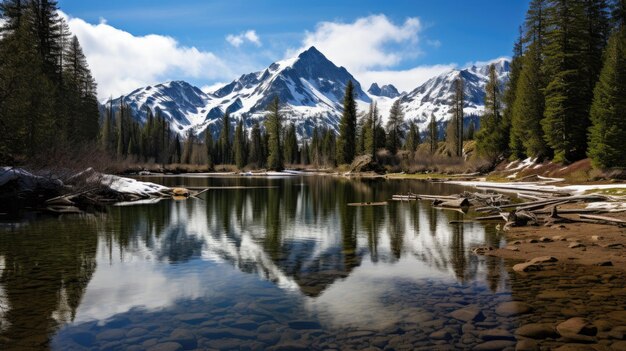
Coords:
pixel 283 263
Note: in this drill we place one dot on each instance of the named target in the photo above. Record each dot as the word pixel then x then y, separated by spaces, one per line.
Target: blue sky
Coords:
pixel 400 41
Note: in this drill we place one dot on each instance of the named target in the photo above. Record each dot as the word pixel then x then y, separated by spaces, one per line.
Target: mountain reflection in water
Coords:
pixel 291 242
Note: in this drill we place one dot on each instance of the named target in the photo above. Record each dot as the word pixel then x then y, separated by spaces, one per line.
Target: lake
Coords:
pixel 277 263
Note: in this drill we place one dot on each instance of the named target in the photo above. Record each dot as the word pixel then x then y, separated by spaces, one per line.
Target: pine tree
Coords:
pixel 433 135
pixel 305 153
pixel 491 141
pixel 573 38
pixel 239 144
pixel 454 131
pixel 82 116
pixel 26 94
pixel 208 148
pixel 176 154
pixel 412 138
pixel 290 144
pixel 608 111
pixel 316 147
pixel 528 108
pixel 12 12
pixel 471 130
pixel 360 133
pixel 225 149
pixel 329 144
pixel 273 127
pixel 346 142
pixel 394 127
pixel 512 131
pixel 371 124
pixel 256 146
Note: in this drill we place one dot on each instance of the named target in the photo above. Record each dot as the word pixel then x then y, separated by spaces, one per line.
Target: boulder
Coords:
pixel 180 192
pixel 365 163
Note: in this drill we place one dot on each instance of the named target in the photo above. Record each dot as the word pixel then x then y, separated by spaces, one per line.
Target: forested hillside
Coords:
pixel 47 94
pixel 567 90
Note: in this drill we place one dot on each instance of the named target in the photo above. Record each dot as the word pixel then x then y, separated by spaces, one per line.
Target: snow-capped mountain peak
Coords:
pixel 310 88
pixel 386 90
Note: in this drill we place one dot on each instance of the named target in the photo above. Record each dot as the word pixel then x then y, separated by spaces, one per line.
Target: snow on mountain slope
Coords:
pixel 310 89
pixel 309 86
pixel 181 103
pixel 433 97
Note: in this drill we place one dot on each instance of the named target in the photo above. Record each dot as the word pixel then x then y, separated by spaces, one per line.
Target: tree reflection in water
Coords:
pixel 297 232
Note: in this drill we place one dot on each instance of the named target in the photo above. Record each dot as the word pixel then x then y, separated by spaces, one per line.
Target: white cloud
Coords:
pixel 122 62
pixel 404 80
pixel 372 47
pixel 238 40
pixel 366 43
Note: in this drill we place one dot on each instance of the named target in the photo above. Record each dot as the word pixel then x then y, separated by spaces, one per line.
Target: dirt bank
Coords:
pixel 579 243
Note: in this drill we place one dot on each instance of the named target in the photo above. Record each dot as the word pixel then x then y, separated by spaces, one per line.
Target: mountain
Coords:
pixel 433 97
pixel 310 88
pixel 181 103
pixel 387 91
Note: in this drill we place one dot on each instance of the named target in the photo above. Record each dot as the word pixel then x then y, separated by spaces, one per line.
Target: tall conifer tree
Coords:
pixel 273 127
pixel 346 142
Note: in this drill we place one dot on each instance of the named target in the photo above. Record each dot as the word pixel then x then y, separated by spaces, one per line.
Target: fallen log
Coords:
pixel 489 218
pixel 456 203
pixel 435 197
pixel 359 204
pixel 611 220
pixel 526 205
pixel 542 205
pixel 567 211
pixel 404 197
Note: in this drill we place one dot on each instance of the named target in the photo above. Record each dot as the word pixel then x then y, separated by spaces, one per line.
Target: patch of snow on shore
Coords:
pixel 133 186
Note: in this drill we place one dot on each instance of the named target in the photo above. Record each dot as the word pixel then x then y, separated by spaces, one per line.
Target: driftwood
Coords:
pixel 543 203
pixel 456 203
pixel 360 204
pixel 436 197
pixel 404 197
pixel 489 218
pixel 611 220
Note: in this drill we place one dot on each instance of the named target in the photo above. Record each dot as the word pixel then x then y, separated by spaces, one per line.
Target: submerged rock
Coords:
pixel 468 314
pixel 494 345
pixel 512 308
pixel 527 267
pixel 537 331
